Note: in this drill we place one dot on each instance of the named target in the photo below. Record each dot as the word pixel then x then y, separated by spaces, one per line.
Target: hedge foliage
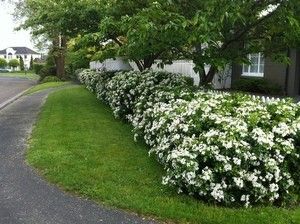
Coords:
pixel 222 148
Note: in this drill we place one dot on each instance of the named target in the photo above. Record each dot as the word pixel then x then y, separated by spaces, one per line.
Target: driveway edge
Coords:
pixel 13 99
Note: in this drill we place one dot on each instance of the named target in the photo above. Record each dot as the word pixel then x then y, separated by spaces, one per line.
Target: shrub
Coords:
pixel 126 89
pixel 3 63
pixel 222 148
pixel 14 63
pixel 37 67
pixel 257 85
pixel 50 79
pixel 89 78
pixel 47 71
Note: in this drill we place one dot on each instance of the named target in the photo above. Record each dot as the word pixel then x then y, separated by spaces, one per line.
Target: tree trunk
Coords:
pixel 207 79
pixel 139 65
pixel 61 68
pixel 144 65
pixel 148 62
pixel 59 56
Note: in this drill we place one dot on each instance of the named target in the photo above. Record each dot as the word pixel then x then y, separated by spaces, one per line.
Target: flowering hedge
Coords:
pixel 222 148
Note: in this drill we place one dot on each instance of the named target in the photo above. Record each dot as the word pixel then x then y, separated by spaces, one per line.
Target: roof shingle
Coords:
pixel 20 50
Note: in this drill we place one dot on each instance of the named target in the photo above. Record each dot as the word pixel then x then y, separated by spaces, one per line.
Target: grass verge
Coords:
pixel 46 85
pixel 78 145
pixel 28 75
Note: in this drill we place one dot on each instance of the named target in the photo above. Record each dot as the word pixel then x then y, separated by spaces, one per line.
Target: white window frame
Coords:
pixel 254 74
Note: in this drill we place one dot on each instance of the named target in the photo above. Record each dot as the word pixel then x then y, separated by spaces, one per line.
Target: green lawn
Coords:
pixel 46 85
pixel 28 75
pixel 78 145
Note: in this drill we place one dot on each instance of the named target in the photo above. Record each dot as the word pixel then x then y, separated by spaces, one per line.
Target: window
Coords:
pixel 25 56
pixel 9 56
pixel 256 68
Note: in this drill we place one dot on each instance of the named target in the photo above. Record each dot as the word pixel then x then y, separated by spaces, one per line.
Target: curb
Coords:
pixel 13 99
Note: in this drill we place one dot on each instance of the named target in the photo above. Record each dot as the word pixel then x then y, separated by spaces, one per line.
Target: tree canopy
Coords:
pixel 14 63
pixel 57 21
pixel 3 63
pixel 146 30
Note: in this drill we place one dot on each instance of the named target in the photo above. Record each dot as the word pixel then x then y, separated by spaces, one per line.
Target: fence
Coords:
pixel 222 80
pixel 264 99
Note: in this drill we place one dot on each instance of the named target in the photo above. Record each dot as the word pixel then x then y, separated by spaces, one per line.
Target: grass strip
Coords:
pixel 79 145
pixel 27 75
pixel 46 85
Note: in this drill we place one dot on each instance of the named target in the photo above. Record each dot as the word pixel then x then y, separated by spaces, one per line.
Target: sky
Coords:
pixel 9 37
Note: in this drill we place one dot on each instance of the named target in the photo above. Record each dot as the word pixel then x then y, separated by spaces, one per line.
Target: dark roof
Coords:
pixel 20 50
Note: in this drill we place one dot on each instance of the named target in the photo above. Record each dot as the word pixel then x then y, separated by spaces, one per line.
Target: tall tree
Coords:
pixel 31 64
pixel 21 62
pixel 58 20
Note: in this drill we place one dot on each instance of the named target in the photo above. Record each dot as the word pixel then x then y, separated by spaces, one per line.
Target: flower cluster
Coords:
pixel 89 78
pixel 223 148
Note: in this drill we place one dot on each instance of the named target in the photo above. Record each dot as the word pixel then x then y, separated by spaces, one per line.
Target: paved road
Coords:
pixel 9 87
pixel 25 198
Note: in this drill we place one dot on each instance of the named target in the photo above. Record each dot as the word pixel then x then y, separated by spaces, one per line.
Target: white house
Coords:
pixel 17 52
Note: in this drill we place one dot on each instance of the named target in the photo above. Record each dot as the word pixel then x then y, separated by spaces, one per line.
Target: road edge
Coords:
pixel 13 99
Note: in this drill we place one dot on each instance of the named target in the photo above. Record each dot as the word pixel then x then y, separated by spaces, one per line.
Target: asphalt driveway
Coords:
pixel 10 87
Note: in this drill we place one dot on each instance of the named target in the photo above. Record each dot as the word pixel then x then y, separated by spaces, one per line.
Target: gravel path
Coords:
pixel 25 198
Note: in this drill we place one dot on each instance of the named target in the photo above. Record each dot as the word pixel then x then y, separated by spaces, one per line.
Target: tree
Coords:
pixel 14 63
pixel 31 64
pixel 146 30
pixel 58 20
pixel 219 36
pixel 150 36
pixel 77 58
pixel 115 29
pixel 3 63
pixel 21 62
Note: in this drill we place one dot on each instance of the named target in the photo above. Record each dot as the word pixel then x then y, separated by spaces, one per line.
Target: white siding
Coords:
pixel 221 80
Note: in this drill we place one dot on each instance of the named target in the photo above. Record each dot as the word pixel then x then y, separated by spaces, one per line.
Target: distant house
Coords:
pixel 287 76
pixel 17 52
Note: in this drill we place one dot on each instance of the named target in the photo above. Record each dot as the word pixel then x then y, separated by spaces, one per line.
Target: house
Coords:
pixel 287 76
pixel 17 52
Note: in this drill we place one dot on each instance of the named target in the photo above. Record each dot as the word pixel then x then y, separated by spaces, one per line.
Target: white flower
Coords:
pixel 217 192
pixel 245 197
pixel 238 182
pixel 273 187
pixel 227 167
pixel 206 174
pixel 237 161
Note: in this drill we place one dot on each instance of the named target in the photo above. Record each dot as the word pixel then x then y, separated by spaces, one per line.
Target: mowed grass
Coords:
pixel 46 85
pixel 81 147
pixel 28 75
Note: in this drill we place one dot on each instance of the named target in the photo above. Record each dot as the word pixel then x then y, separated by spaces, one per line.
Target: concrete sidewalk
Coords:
pixel 25 197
